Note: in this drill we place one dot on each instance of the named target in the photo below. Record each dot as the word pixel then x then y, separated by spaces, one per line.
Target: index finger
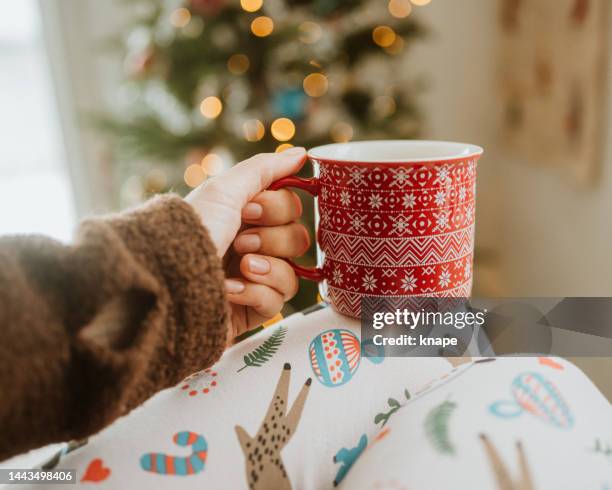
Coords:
pixel 248 178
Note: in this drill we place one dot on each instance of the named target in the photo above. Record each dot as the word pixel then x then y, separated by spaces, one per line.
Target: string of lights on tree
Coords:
pixel 210 82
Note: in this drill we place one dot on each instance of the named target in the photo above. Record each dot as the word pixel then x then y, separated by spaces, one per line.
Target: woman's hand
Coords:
pixel 253 230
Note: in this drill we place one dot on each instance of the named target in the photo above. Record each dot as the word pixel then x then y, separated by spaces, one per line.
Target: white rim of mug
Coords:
pixel 472 151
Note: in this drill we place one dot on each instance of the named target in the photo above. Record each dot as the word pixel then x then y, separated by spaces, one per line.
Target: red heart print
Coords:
pixel 96 471
pixel 546 361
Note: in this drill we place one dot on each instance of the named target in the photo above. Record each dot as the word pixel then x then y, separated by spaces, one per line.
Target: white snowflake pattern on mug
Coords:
pixel 409 282
pixel 440 198
pixel 445 278
pixel 409 200
pixel 345 198
pixel 337 275
pixel 376 201
pixel 324 193
pixel 369 282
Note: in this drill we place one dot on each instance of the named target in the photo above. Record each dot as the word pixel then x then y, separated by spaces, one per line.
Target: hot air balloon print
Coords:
pixel 535 394
pixel 335 356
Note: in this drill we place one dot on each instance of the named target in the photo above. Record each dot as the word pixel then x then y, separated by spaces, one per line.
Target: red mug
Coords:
pixel 394 219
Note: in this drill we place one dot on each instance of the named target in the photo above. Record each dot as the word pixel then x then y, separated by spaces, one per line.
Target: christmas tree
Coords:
pixel 211 82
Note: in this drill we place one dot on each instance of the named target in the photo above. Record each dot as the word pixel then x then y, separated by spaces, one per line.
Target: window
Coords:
pixel 35 190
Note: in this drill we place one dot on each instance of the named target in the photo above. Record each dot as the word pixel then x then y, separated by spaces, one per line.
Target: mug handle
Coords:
pixel 312 187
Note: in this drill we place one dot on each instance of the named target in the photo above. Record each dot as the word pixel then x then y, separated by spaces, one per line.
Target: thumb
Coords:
pixel 248 178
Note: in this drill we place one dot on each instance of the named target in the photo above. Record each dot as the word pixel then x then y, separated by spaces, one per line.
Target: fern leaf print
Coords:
pixel 437 427
pixel 394 406
pixel 266 350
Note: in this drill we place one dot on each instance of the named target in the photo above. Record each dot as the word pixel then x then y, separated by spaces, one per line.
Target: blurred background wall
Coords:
pixel 552 235
pixel 541 233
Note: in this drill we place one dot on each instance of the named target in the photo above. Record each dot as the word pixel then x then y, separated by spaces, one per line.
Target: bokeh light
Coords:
pixel 254 130
pixel 384 106
pixel 315 84
pixel 211 107
pixel 180 17
pixel 420 3
pixel 194 175
pixel 212 164
pixel 156 181
pixel 238 64
pixel 194 156
pixel 194 28
pixel 310 32
pixel 262 26
pixel 384 36
pixel 399 8
pixel 341 132
pixel 397 47
pixel 283 129
pixel 283 147
pixel 236 96
pixel 251 5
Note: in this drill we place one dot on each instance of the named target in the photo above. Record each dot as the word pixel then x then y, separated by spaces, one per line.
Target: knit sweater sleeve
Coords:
pixel 91 330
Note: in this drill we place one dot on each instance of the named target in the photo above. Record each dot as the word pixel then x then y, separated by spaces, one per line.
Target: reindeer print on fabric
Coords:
pixel 500 470
pixel 264 465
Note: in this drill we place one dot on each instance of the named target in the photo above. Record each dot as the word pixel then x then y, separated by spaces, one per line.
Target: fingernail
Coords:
pixel 233 287
pixel 250 242
pixel 296 150
pixel 258 265
pixel 252 210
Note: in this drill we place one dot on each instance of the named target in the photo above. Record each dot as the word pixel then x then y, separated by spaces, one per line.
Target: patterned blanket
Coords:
pixel 299 406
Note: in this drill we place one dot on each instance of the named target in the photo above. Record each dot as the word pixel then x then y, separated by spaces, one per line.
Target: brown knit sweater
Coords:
pixel 90 331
